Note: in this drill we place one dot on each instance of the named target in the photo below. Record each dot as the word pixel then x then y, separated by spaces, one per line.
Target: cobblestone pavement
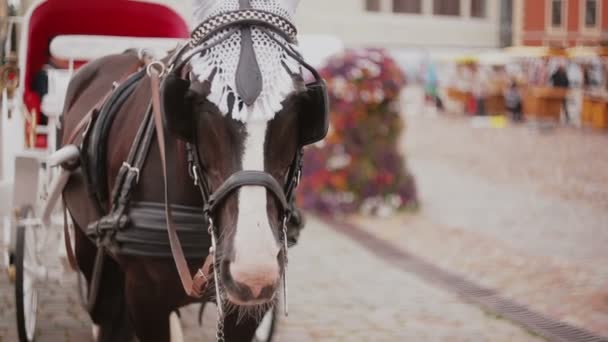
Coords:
pixel 60 316
pixel 338 292
pixel 511 209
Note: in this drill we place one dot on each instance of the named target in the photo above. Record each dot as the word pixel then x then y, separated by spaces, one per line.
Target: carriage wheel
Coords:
pixel 266 329
pixel 26 294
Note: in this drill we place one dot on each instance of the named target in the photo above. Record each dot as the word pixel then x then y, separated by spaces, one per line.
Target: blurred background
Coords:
pixel 462 193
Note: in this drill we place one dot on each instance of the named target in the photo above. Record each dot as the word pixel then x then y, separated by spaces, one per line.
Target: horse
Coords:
pixel 153 135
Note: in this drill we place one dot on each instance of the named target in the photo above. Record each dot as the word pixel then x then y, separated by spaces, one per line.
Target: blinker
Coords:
pixel 177 113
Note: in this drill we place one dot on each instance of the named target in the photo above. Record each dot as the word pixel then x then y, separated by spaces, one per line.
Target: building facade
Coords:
pixel 398 23
pixel 560 22
pixel 459 24
pixel 405 23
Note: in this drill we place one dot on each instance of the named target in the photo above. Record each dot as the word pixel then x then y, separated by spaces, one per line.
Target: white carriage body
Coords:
pixel 46 25
pixel 69 19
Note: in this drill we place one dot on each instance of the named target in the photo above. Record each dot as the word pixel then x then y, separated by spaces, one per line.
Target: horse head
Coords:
pixel 238 96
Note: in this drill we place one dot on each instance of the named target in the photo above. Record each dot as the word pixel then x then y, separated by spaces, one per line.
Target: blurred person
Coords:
pixel 586 72
pixel 431 87
pixel 513 101
pixel 480 91
pixel 559 79
pixel 540 71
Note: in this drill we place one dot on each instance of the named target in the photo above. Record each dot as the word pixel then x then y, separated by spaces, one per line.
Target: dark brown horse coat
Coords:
pixel 134 292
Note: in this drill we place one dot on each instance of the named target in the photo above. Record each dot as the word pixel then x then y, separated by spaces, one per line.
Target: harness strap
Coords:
pixel 126 179
pixel 83 125
pixel 131 168
pixel 295 173
pixel 193 286
pixel 195 168
pixel 85 121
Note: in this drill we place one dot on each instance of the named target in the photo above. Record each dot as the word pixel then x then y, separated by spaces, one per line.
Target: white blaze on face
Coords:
pixel 255 247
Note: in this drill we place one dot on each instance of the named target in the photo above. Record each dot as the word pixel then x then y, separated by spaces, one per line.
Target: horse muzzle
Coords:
pixel 250 284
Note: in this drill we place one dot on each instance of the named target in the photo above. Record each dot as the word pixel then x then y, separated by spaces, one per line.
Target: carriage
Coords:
pixel 49 52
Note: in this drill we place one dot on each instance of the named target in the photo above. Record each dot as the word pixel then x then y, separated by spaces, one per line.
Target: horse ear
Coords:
pixel 177 111
pixel 201 9
pixel 314 114
pixel 291 6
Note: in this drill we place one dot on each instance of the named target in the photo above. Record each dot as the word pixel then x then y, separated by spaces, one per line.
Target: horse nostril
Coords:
pixel 256 290
pixel 248 292
pixel 267 292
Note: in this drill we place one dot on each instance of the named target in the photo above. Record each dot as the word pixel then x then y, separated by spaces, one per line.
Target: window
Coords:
pixel 372 5
pixel 446 7
pixel 557 13
pixel 478 8
pixel 591 12
pixel 407 6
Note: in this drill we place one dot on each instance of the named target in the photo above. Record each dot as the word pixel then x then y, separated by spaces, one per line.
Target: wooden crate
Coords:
pixel 595 112
pixel 458 95
pixel 587 111
pixel 495 104
pixel 544 103
pixel 600 116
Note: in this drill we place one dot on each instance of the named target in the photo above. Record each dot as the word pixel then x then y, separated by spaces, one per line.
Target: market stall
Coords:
pixel 544 103
pixel 479 83
pixel 594 111
pixel 540 100
pixel 459 90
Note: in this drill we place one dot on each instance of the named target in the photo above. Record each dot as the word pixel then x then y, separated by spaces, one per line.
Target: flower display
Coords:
pixel 358 167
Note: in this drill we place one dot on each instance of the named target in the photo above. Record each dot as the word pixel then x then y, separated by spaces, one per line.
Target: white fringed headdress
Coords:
pixel 219 64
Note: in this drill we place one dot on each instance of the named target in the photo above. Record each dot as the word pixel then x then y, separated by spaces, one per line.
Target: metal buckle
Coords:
pixel 132 169
pixel 298 177
pixel 202 274
pixel 195 174
pixel 158 67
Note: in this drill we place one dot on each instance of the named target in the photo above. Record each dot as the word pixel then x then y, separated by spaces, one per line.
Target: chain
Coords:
pixel 219 333
pixel 285 247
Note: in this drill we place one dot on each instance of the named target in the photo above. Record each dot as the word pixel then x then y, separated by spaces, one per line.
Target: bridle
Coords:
pixel 161 75
pixel 237 180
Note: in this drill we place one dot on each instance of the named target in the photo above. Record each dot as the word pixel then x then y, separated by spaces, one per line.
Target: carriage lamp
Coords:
pixel 9 76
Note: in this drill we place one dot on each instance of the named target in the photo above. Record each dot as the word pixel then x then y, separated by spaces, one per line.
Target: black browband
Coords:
pixel 244 17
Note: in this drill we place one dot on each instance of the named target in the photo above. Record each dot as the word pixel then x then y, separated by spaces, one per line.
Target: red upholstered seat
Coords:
pixel 91 17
